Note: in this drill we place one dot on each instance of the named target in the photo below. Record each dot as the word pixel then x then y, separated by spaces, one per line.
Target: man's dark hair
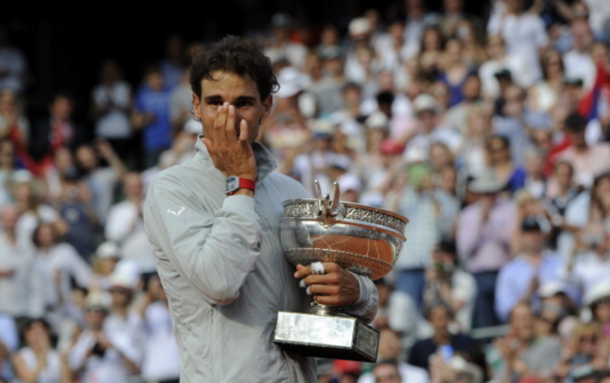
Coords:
pixel 385 98
pixel 429 307
pixel 575 123
pixel 233 54
pixel 447 245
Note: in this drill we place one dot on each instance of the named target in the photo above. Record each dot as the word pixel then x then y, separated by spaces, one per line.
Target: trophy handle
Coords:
pixel 329 211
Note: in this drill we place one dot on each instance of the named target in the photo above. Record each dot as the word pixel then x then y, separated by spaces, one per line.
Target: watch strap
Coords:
pixel 239 183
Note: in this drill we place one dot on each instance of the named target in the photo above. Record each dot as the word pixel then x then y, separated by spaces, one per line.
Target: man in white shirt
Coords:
pixel 428 129
pixel 21 281
pixel 125 225
pixel 97 356
pixel 589 263
pixel 523 32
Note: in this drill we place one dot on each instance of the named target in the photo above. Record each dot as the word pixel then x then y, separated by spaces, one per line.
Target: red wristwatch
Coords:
pixel 235 183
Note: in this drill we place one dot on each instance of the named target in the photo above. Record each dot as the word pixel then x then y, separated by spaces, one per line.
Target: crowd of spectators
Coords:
pixel 492 135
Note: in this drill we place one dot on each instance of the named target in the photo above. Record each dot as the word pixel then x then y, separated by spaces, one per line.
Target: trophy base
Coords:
pixel 327 336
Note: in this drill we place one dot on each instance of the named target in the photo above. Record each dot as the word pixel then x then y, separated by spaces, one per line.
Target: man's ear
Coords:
pixel 267 106
pixel 196 104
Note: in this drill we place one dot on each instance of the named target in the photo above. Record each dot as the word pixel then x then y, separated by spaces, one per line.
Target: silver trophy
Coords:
pixel 361 239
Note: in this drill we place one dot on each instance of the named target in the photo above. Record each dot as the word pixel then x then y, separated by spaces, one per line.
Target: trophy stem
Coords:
pixel 318 309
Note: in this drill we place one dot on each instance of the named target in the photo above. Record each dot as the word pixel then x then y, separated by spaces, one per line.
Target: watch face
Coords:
pixel 232 184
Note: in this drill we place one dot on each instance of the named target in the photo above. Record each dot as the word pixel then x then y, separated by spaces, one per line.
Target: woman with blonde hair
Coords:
pixel 27 194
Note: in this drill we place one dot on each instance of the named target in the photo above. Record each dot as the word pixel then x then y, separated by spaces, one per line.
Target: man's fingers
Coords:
pixel 243 131
pixel 230 132
pixel 324 289
pixel 220 123
pixel 322 279
pixel 304 271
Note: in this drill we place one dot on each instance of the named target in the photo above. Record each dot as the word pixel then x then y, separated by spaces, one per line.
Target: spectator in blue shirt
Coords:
pixel 535 264
pixel 152 115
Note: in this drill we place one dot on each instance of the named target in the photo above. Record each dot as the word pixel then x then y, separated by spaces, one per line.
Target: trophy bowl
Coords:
pixel 360 238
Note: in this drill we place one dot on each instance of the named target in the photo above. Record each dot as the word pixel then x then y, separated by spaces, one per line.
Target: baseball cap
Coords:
pixel 552 288
pixel 359 27
pixel 96 301
pixel 486 183
pixel 292 81
pixel 425 102
pixel 377 120
pixel 107 250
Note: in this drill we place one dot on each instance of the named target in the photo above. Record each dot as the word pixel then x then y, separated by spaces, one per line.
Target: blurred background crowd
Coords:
pixel 490 131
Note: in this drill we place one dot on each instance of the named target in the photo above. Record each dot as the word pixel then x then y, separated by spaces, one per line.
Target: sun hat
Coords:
pixel 486 183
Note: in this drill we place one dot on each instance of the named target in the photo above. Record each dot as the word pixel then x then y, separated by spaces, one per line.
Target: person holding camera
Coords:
pixel 446 282
pixel 93 356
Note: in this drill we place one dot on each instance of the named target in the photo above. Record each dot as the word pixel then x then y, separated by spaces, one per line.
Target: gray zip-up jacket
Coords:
pixel 222 266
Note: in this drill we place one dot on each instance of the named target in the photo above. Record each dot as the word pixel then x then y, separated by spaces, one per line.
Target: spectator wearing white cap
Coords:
pixel 598 301
pixel 428 129
pixel 124 325
pixel 360 32
pixel 286 132
pixel 95 355
pixel 558 292
pixel 105 261
pixel 484 232
pixel 562 298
